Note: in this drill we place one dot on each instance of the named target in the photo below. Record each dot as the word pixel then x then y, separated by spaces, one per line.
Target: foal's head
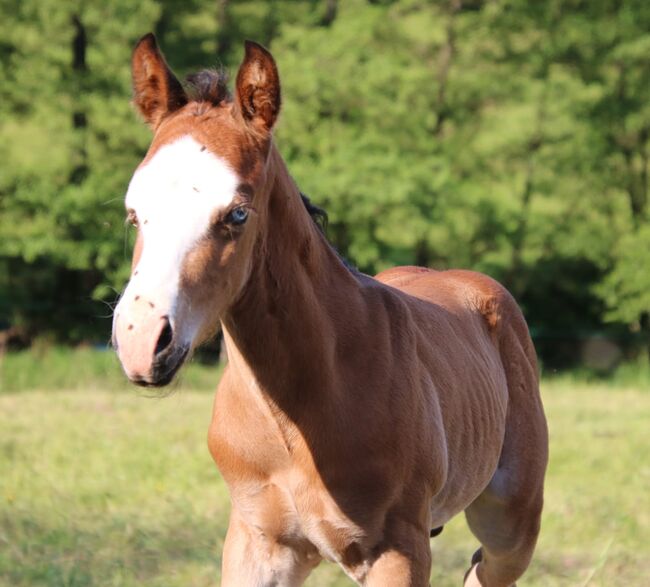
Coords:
pixel 192 200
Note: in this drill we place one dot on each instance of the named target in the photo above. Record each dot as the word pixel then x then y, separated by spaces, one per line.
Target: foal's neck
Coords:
pixel 284 327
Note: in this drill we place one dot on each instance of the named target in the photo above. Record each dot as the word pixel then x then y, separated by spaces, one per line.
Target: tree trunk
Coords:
pixel 79 120
pixel 224 42
pixel 445 59
pixel 329 16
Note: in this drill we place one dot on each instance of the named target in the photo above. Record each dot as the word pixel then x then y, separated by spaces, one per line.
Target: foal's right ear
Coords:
pixel 156 91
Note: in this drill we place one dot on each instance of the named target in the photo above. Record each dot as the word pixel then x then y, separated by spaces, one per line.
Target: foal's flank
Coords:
pixel 356 414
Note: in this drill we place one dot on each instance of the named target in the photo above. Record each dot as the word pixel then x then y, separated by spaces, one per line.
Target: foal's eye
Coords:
pixel 237 216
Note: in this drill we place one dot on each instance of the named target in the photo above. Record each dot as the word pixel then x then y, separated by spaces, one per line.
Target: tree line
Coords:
pixel 505 136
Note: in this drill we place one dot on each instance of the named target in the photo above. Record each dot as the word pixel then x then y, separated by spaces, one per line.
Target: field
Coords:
pixel 102 486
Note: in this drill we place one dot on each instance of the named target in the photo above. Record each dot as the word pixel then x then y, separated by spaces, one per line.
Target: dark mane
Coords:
pixel 208 85
pixel 318 215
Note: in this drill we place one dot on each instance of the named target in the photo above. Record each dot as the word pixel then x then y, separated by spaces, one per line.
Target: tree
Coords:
pixel 505 136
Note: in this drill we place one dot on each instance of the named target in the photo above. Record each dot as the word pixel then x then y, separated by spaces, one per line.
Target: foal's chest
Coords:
pixel 273 483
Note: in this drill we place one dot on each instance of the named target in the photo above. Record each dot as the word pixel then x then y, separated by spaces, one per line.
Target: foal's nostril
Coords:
pixel 165 338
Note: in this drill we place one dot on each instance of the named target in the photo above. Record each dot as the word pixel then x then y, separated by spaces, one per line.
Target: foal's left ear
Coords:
pixel 156 91
pixel 258 87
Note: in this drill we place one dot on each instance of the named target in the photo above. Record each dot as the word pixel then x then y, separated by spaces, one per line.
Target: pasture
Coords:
pixel 102 486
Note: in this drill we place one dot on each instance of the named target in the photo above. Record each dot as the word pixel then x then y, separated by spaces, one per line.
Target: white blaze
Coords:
pixel 174 196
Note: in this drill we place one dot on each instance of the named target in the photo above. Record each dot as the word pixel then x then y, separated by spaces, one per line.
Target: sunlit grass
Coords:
pixel 112 488
pixel 85 368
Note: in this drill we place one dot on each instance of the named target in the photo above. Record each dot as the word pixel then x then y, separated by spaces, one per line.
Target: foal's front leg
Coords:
pixel 407 564
pixel 251 559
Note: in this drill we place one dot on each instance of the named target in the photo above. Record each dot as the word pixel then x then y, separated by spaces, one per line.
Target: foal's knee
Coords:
pixel 398 570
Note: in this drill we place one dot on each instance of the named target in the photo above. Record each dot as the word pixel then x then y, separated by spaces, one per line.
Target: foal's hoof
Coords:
pixel 435 531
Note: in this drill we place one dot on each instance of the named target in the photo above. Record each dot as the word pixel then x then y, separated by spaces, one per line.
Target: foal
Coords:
pixel 355 413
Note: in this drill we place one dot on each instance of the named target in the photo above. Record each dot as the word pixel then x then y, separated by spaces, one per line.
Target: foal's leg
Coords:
pixel 404 560
pixel 253 560
pixel 508 533
pixel 506 516
pixel 397 569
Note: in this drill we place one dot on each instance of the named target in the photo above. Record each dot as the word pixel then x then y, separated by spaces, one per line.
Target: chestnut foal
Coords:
pixel 355 413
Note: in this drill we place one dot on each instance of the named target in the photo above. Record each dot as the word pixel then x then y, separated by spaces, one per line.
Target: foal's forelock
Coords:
pixel 208 85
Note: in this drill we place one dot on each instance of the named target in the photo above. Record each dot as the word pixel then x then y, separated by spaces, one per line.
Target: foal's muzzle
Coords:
pixel 166 364
pixel 146 344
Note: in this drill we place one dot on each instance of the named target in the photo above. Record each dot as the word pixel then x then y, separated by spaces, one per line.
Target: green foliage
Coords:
pixel 510 137
pixel 626 287
pixel 69 145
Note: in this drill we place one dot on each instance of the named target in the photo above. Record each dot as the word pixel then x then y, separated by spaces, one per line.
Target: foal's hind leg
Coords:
pixel 507 530
pixel 506 516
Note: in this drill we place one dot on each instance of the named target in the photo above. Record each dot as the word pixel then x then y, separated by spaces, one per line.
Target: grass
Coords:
pixel 100 486
pixel 56 367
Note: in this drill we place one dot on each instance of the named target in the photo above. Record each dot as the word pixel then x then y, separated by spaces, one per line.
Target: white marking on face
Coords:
pixel 174 196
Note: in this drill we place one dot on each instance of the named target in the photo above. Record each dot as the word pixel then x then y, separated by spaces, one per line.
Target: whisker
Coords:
pixel 110 305
pixel 111 201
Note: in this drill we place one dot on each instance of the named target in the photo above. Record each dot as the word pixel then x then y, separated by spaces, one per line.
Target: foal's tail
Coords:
pixel 526 437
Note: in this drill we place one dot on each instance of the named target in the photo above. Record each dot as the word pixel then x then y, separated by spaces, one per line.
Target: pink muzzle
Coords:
pixel 142 335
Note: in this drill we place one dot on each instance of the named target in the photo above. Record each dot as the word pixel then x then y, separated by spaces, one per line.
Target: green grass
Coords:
pixel 110 488
pixel 56 367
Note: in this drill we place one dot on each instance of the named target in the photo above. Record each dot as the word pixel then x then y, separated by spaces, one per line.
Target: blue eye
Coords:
pixel 237 216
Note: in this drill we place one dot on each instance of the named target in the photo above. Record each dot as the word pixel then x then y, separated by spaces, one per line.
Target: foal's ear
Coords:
pixel 156 91
pixel 258 87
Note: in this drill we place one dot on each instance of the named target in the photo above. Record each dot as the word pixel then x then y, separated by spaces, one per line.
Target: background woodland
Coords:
pixel 506 136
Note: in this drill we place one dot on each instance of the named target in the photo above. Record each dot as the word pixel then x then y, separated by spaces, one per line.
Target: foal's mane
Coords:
pixel 320 219
pixel 318 215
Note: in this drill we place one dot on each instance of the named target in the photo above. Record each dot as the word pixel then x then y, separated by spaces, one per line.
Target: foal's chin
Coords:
pixel 164 367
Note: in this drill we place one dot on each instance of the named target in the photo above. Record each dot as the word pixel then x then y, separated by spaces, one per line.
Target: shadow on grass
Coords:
pixel 107 550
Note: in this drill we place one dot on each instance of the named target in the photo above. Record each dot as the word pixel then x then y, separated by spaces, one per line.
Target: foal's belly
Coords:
pixel 474 444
